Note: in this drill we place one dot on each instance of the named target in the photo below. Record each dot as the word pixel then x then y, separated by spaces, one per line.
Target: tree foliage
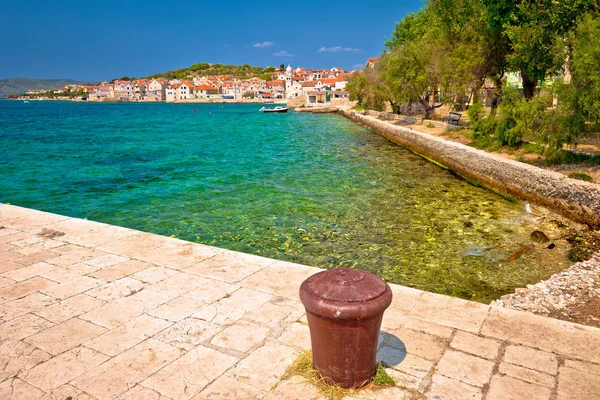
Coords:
pixel 445 53
pixel 203 68
pixel 583 92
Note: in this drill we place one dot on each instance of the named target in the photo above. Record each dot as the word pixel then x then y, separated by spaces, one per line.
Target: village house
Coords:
pixel 185 90
pixel 156 89
pixel 231 88
pixel 277 88
pixel 170 92
pixel 205 91
pixel 61 90
pixel 139 90
pixel 123 90
pixel 371 62
pixel 102 93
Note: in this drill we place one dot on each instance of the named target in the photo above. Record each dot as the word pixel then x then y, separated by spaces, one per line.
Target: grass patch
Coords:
pixel 303 366
pixel 581 176
pixel 382 378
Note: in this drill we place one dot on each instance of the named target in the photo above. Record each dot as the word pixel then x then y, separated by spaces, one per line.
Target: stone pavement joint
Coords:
pixel 106 313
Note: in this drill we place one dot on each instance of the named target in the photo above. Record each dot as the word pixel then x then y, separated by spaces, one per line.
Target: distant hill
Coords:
pixel 21 85
pixel 203 68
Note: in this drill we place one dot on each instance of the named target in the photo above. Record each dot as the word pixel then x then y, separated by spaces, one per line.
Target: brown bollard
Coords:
pixel 344 308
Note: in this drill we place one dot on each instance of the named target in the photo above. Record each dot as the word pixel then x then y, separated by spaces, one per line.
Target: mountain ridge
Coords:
pixel 20 85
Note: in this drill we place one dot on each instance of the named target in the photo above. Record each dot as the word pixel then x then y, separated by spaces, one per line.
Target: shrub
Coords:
pixel 581 176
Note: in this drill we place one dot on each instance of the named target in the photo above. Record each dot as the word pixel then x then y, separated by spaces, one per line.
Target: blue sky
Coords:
pixel 106 39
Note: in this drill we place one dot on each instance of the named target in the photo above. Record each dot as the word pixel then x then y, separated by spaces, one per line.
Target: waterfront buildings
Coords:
pixel 314 85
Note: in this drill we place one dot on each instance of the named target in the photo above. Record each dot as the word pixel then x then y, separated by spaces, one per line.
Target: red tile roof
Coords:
pixel 206 87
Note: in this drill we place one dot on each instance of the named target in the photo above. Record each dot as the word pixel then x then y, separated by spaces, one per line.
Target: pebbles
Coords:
pixel 566 295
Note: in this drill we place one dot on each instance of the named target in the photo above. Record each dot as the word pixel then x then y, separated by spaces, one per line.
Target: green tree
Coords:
pixel 358 87
pixel 536 32
pixel 411 28
pixel 582 95
pixel 201 66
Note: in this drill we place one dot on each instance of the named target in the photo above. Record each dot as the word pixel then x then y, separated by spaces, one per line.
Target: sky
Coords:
pixel 107 39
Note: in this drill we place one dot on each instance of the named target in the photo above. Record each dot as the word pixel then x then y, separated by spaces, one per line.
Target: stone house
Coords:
pixel 205 91
pixel 156 90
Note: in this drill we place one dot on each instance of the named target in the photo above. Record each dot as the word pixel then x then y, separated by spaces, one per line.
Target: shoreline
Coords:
pixel 187 101
pixel 570 295
pixel 576 200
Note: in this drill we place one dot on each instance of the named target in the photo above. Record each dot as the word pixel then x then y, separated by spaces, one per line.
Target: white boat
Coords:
pixel 274 110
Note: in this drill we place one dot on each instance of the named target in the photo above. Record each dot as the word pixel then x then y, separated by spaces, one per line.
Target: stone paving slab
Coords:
pixel 106 313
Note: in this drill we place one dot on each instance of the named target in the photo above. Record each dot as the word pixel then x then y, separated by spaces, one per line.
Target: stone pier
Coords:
pixel 90 311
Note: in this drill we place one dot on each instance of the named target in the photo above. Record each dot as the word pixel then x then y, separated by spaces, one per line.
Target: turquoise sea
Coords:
pixel 313 189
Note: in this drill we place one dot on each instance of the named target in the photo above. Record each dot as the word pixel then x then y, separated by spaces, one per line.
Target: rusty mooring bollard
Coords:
pixel 344 308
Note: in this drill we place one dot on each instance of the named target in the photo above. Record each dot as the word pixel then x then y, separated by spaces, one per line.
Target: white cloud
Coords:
pixel 358 66
pixel 336 49
pixel 282 53
pixel 264 44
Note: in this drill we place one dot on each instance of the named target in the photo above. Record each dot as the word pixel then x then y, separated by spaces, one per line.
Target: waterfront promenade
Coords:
pixel 93 311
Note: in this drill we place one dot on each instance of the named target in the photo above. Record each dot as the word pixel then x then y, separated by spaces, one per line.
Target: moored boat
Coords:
pixel 274 110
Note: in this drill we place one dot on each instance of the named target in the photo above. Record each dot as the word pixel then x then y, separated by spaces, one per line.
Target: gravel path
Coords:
pixel 571 295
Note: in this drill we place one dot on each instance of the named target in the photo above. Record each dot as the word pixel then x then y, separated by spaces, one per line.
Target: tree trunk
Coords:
pixel 497 94
pixel 529 86
pixel 429 110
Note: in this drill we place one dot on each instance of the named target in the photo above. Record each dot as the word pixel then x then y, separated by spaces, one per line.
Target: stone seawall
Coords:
pixel 574 199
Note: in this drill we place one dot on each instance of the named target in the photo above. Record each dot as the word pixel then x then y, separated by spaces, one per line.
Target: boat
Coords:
pixel 25 102
pixel 274 110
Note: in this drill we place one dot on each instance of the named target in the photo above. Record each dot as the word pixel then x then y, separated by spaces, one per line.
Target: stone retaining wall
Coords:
pixel 443 125
pixel 316 110
pixel 575 199
pixel 409 119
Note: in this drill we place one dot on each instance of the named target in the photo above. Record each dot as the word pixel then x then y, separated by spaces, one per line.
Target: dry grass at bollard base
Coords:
pixel 303 366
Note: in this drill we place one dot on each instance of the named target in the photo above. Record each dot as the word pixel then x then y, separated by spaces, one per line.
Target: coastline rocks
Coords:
pixel 296 102
pixel 572 295
pixel 539 237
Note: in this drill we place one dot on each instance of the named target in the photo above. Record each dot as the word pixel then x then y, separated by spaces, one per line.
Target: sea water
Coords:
pixel 312 189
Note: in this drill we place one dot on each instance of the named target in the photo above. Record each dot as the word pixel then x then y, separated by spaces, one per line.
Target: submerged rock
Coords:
pixel 539 237
pixel 474 250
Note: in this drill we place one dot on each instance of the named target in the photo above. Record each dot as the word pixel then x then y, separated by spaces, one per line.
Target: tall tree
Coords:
pixel 536 31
